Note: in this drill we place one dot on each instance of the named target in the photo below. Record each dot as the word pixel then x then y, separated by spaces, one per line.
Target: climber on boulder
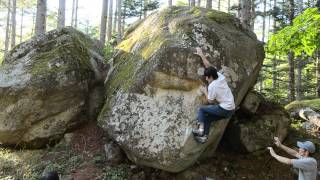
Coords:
pixel 216 91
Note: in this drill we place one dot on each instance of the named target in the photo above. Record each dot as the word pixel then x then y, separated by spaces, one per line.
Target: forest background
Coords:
pixel 290 31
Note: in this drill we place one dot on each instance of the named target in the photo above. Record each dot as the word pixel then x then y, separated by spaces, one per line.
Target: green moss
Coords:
pixel 124 75
pixel 155 44
pixel 219 16
pixel 66 57
pixel 313 104
pixel 196 11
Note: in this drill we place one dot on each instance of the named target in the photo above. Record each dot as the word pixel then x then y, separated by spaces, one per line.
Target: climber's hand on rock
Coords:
pixel 199 51
pixel 203 89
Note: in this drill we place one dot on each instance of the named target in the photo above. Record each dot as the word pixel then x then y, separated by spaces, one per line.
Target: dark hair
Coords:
pixel 50 176
pixel 211 71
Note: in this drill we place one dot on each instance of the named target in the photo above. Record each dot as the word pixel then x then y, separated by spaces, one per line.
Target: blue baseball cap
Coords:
pixel 307 145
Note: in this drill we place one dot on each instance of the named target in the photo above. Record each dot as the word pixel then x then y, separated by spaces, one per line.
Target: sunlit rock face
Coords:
pixel 153 86
pixel 49 85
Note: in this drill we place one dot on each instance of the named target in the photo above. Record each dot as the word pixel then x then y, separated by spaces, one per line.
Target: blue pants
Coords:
pixel 210 113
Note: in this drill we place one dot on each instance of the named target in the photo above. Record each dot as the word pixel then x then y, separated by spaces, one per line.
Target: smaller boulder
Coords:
pixel 250 103
pixel 251 133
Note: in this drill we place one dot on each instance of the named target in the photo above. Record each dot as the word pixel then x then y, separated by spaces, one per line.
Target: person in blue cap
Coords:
pixel 307 165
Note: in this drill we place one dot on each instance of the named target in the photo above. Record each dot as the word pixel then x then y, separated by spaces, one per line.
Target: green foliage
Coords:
pixel 114 173
pixel 108 51
pixel 136 8
pixel 302 36
pixel 27 164
pixel 181 3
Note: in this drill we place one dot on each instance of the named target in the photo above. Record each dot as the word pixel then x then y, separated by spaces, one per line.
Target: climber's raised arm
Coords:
pixel 205 61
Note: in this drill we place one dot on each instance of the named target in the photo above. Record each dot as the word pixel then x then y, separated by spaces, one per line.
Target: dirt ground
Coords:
pixel 225 164
pixel 82 157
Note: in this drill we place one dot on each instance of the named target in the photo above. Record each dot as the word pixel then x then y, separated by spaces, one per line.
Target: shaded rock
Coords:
pixel 152 90
pixel 68 138
pixel 252 133
pixel 139 176
pixel 250 103
pixel 114 154
pixel 47 85
pixel 190 175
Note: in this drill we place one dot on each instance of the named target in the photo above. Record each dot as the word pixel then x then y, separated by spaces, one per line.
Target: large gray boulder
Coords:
pixel 49 85
pixel 153 87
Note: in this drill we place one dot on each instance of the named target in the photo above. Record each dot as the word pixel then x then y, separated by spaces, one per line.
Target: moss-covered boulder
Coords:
pixel 48 85
pixel 153 89
pixel 249 133
pixel 294 107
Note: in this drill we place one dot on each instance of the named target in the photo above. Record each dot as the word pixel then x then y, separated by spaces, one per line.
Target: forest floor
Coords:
pixel 84 158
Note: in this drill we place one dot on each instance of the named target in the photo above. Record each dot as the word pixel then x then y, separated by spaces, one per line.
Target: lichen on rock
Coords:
pixel 152 93
pixel 47 85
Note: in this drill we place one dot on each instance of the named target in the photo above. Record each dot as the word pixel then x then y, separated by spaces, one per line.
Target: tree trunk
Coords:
pixel 209 4
pixel 76 14
pixel 291 94
pixel 291 11
pixel 6 42
pixel 252 15
pixel 298 81
pixel 199 3
pixel 264 20
pixel 275 61
pixel 169 3
pixel 21 24
pixel 274 72
pixel 41 17
pixel 87 27
pixel 219 4
pixel 61 14
pixel 245 13
pixel 123 19
pixel 193 3
pixel 145 2
pixel 13 24
pixel 109 31
pixel 291 57
pixel 309 115
pixel 229 4
pixel 239 9
pixel 72 14
pixel 141 7
pixel 103 23
pixel 119 21
pixel 318 72
pixel 33 23
pixel 115 20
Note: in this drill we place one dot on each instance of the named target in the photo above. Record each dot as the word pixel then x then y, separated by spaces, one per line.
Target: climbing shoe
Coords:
pixel 198 132
pixel 201 139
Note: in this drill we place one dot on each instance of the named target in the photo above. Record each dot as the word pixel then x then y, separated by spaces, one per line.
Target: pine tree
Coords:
pixel 7 39
pixel 61 14
pixel 103 23
pixel 40 26
pixel 13 23
pixel 109 29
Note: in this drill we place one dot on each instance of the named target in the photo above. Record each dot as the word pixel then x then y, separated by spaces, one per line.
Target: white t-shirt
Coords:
pixel 219 90
pixel 307 168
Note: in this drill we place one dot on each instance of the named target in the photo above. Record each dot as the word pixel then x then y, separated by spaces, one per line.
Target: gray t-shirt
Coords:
pixel 307 168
